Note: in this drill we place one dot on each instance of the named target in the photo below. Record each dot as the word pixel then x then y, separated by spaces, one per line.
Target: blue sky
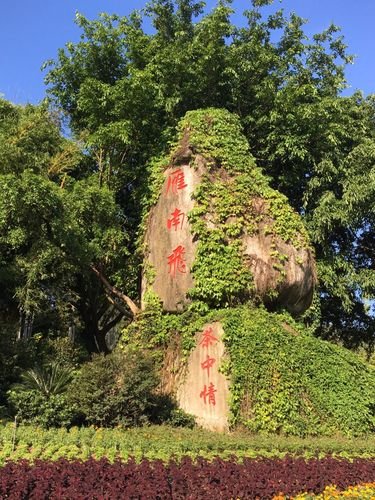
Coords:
pixel 31 31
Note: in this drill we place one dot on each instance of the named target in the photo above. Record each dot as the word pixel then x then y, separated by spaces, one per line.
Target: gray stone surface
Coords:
pixel 173 280
pixel 295 286
pixel 201 391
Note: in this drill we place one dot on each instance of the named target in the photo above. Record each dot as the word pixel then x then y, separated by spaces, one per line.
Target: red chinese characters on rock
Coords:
pixel 177 220
pixel 207 364
pixel 176 182
pixel 209 394
pixel 176 261
pixel 208 338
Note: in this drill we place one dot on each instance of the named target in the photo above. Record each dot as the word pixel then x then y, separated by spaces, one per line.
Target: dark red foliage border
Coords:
pixel 186 480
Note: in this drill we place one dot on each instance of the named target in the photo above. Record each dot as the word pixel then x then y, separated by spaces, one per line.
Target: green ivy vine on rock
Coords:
pixel 287 381
pixel 282 378
pixel 225 209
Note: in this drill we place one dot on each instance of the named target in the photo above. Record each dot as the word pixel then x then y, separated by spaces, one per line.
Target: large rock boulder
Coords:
pixel 218 232
pixel 284 273
pixel 222 249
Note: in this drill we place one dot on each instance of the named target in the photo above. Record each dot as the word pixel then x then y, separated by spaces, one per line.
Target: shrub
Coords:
pixel 69 354
pixel 116 389
pixel 32 406
pixel 17 359
pixel 179 418
pixel 164 442
pixel 48 380
pixel 166 411
pixel 40 398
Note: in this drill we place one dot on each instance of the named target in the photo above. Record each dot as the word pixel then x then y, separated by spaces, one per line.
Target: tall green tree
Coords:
pixel 124 91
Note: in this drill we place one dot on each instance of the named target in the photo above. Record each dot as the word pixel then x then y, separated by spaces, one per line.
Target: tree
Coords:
pixel 32 220
pixel 61 234
pixel 124 90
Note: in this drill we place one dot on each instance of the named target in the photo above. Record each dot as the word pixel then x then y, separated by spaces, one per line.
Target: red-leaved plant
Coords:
pixel 186 480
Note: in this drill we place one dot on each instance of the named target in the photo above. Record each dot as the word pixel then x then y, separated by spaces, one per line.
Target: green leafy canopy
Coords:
pixel 124 91
pixel 74 204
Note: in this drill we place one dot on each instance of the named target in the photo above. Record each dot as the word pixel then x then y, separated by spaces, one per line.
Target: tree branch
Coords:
pixel 119 307
pixel 113 291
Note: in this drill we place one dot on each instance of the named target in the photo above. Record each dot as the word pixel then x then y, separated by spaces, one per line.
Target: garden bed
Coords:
pixel 187 479
pixel 164 442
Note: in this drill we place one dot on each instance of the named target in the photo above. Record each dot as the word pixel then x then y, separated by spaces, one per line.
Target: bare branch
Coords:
pixel 119 307
pixel 113 291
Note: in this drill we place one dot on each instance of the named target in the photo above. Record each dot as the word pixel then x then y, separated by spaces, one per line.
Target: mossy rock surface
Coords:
pixel 237 238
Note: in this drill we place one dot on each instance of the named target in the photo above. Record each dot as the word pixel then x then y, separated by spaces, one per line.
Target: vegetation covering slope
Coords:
pixel 286 380
pixel 283 379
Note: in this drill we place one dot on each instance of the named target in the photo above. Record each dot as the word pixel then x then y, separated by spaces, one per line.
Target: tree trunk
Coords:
pixel 72 326
pixel 72 332
pixel 30 324
pixel 26 326
pixel 21 325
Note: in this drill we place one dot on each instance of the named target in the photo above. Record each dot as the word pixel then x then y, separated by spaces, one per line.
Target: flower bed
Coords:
pixel 99 479
pixel 362 491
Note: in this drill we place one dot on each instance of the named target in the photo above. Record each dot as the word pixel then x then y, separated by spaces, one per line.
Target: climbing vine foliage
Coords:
pixel 282 378
pixel 226 208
